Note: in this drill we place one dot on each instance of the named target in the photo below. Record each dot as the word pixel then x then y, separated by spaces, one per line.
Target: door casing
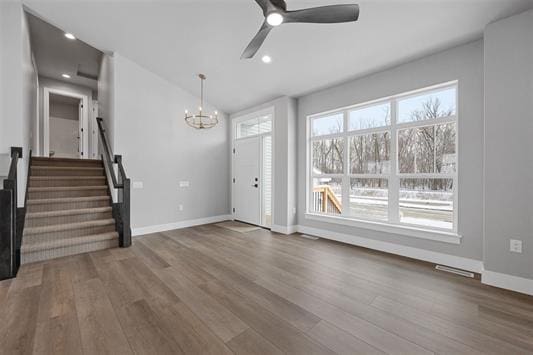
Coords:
pixel 84 120
pixel 234 122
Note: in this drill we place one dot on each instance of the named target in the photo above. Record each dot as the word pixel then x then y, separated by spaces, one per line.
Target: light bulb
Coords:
pixel 275 19
pixel 266 59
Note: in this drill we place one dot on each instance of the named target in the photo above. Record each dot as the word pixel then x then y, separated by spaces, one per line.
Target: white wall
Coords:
pixel 18 89
pixel 11 74
pixel 106 91
pixel 284 159
pixel 29 89
pixel 463 63
pixel 508 148
pixel 63 137
pixel 69 111
pixel 159 149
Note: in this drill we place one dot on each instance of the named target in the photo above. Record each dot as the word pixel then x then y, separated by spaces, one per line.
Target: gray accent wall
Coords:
pixel 159 149
pixel 463 63
pixel 509 147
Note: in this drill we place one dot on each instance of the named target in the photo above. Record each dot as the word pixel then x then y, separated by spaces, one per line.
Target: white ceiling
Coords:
pixel 56 55
pixel 178 39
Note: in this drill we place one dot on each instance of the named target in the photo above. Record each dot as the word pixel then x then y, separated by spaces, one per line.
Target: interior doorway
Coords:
pixel 252 169
pixel 66 117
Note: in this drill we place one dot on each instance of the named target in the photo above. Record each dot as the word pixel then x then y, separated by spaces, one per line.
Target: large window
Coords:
pixel 392 160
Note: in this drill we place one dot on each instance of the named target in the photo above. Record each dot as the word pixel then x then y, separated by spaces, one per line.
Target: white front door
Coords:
pixel 247 188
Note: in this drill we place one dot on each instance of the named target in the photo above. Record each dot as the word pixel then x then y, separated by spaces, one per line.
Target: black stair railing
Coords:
pixel 10 240
pixel 119 181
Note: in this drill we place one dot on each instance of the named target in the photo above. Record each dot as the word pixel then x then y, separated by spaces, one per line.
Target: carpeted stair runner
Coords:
pixel 68 209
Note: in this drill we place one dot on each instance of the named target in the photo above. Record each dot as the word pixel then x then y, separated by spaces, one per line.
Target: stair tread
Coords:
pixel 72 212
pixel 67 199
pixel 68 226
pixel 65 159
pixel 60 243
pixel 65 188
pixel 65 177
pixel 44 167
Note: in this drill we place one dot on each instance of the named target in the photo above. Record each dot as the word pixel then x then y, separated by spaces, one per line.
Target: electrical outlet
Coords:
pixel 184 184
pixel 294 210
pixel 138 185
pixel 515 246
pixel 180 207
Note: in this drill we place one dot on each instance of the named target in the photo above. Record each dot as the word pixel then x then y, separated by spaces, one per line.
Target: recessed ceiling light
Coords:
pixel 275 19
pixel 266 59
pixel 66 76
pixel 70 36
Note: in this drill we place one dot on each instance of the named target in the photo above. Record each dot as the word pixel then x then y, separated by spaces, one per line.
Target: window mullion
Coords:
pixel 394 181
pixel 435 149
pixel 346 178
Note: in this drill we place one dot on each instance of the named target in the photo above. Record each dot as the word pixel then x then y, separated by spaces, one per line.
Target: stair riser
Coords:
pixel 82 232
pixel 68 205
pixel 68 193
pixel 67 182
pixel 67 250
pixel 67 172
pixel 50 221
pixel 82 164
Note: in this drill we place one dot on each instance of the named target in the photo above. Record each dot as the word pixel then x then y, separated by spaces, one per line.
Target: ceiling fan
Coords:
pixel 276 13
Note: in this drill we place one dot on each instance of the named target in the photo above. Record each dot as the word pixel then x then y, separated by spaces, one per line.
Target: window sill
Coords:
pixel 435 235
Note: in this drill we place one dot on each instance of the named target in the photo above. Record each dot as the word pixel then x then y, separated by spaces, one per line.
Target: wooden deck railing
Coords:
pixel 324 200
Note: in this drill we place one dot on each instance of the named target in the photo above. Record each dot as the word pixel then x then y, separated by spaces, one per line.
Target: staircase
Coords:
pixel 69 209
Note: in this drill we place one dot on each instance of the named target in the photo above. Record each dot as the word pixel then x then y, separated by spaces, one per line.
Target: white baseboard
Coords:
pixel 410 252
pixel 283 229
pixel 509 282
pixel 177 225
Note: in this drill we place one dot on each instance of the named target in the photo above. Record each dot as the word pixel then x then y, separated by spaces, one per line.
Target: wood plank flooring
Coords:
pixel 209 290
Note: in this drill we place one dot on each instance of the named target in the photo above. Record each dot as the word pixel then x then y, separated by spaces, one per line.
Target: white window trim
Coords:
pixel 400 229
pixel 393 226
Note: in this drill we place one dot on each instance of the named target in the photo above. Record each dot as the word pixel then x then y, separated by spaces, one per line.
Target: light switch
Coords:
pixel 515 246
pixel 184 184
pixel 138 185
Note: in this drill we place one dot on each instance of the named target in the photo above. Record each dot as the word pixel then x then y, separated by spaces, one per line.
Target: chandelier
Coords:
pixel 201 120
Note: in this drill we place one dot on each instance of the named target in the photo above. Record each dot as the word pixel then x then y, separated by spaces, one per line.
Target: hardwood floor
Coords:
pixel 210 290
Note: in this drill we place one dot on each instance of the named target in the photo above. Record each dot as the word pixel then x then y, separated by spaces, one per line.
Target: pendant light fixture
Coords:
pixel 201 120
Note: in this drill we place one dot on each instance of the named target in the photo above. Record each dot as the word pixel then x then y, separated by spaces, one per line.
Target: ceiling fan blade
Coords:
pixel 263 4
pixel 256 42
pixel 324 14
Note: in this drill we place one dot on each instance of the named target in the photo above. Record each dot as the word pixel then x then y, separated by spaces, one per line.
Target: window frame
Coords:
pixel 260 115
pixel 393 223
